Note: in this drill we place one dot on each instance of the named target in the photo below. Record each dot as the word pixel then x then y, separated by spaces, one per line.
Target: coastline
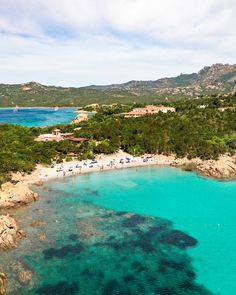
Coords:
pixel 222 169
pixel 22 194
pixel 15 195
pixel 43 174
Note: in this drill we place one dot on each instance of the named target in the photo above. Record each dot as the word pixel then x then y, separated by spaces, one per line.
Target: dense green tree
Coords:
pixel 191 131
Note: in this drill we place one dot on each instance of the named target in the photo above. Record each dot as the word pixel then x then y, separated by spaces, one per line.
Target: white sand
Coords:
pixel 104 162
pixel 224 168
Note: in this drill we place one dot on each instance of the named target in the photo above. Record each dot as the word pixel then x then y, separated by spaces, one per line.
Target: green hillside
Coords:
pixel 217 79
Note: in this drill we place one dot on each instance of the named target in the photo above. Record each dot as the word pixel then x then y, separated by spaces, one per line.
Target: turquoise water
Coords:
pixel 178 238
pixel 204 208
pixel 37 116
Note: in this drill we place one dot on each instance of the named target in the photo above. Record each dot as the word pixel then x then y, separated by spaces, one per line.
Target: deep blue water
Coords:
pixel 37 116
pixel 136 231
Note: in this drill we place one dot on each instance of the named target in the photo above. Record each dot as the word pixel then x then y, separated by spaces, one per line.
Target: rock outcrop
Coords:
pixel 223 168
pixel 3 283
pixel 16 195
pixel 9 232
pixel 79 118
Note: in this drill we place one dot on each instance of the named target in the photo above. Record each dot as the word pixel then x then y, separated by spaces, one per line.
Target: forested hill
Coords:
pixel 217 79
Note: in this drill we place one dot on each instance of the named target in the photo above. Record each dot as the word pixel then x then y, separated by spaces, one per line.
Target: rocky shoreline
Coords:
pixel 3 283
pixel 82 116
pixel 16 195
pixel 12 196
pixel 222 169
pixel 9 232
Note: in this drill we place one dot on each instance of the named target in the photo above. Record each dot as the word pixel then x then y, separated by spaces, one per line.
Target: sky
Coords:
pixel 85 42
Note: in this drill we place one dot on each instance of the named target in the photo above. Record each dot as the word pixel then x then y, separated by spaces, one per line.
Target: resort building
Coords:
pixel 148 110
pixel 56 135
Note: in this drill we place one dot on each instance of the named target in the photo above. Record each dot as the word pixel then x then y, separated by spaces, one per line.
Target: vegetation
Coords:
pixel 210 80
pixel 194 133
pixel 19 151
pixel 209 102
pixel 191 132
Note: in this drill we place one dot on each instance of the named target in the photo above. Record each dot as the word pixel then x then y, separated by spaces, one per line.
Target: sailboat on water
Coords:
pixel 56 109
pixel 16 109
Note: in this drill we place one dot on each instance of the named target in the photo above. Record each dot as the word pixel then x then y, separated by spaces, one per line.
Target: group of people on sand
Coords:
pixel 71 168
pixel 79 167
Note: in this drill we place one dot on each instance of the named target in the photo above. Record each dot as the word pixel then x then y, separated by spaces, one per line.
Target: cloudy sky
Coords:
pixel 84 42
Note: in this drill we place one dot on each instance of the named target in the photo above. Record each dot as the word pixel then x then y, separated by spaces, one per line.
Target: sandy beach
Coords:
pixel 15 195
pixel 120 160
pixel 223 168
pixel 19 194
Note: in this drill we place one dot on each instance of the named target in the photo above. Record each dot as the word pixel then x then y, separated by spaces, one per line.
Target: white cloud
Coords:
pixel 106 41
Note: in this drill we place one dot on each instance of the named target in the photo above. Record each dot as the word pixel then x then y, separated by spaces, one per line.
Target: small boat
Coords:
pixel 56 109
pixel 16 109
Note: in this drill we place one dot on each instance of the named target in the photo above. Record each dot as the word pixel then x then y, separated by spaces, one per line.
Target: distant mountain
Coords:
pixel 218 78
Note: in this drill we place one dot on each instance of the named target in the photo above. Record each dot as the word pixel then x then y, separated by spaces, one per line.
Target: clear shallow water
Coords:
pixel 184 226
pixel 37 116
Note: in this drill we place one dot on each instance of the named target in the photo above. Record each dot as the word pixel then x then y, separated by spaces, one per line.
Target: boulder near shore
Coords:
pixel 16 195
pixel 9 232
pixel 3 283
pixel 223 168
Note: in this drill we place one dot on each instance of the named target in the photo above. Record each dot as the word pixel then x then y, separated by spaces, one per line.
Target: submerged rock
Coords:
pixel 25 277
pixel 42 237
pixel 88 229
pixel 19 276
pixel 179 239
pixel 134 220
pixel 9 232
pixel 62 252
pixel 109 253
pixel 36 223
pixel 16 195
